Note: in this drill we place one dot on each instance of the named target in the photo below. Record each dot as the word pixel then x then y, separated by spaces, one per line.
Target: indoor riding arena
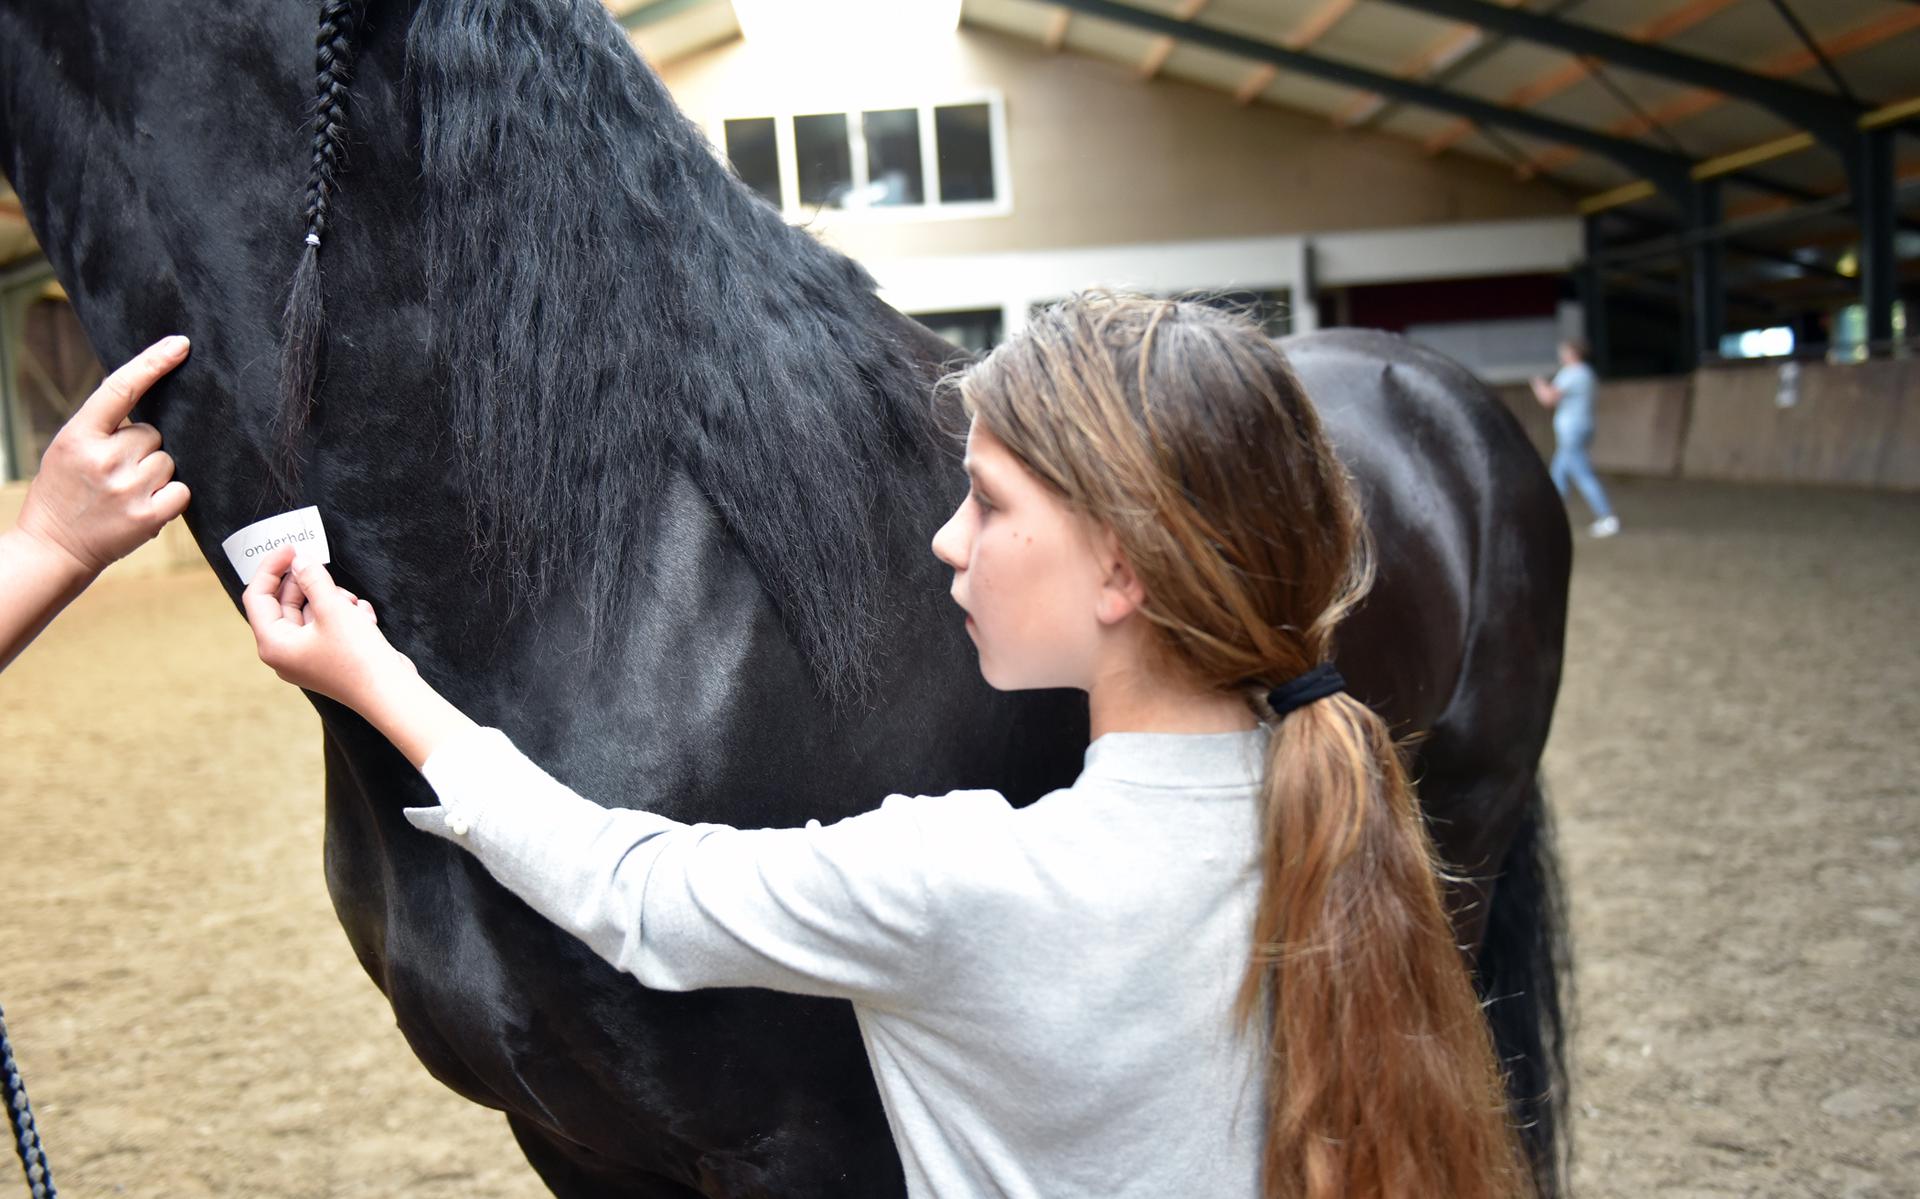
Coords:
pixel 1703 212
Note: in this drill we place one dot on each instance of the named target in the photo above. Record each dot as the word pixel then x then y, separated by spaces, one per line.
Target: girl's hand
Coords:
pixel 105 487
pixel 316 635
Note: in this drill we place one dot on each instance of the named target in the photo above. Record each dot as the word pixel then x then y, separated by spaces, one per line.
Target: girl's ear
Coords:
pixel 1121 591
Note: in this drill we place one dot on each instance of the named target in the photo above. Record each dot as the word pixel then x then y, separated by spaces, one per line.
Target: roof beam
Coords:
pixel 1753 156
pixel 1432 59
pixel 1437 56
pixel 1761 205
pixel 1736 163
pixel 1258 80
pixel 1897 113
pixel 1828 117
pixel 1552 83
pixel 1661 246
pixel 1311 29
pixel 1651 227
pixel 1670 169
pixel 1162 48
pixel 1316 24
pixel 1800 31
pixel 656 10
pixel 1472 58
pixel 1791 62
pixel 1057 30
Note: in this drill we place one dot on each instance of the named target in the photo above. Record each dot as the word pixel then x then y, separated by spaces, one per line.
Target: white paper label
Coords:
pixel 252 545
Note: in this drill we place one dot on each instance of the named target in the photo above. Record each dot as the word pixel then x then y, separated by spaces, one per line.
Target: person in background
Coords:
pixel 1570 395
pixel 105 488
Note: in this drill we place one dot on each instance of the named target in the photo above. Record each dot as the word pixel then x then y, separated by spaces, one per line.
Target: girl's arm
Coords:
pixel 104 489
pixel 320 637
pixel 840 910
pixel 329 640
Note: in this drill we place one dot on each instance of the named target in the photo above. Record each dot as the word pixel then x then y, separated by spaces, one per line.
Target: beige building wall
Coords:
pixel 1098 157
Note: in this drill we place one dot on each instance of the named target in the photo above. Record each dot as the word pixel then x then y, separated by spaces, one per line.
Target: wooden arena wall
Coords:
pixel 1855 425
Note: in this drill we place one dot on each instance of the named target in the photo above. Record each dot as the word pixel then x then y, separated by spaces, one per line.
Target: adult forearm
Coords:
pixel 37 580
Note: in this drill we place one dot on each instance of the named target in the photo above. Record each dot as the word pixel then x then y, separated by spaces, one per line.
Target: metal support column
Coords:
pixel 1873 201
pixel 1303 292
pixel 1704 216
pixel 1590 278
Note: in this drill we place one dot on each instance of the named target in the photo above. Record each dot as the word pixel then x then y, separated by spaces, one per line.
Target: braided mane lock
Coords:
pixel 302 322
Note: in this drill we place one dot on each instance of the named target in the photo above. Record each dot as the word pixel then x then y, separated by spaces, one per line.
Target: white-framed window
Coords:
pixel 975 330
pixel 925 161
pixel 1269 307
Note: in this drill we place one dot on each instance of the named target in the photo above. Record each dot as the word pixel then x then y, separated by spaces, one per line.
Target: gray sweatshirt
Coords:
pixel 1045 993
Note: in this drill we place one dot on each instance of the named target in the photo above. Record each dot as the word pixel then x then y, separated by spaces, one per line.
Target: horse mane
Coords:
pixel 606 300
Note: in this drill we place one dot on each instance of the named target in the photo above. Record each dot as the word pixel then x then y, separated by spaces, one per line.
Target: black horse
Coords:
pixel 646 477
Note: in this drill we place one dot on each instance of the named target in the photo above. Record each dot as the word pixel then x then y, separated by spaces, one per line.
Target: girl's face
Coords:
pixel 1037 580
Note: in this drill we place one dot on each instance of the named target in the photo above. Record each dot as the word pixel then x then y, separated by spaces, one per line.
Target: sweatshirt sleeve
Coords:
pixel 840 910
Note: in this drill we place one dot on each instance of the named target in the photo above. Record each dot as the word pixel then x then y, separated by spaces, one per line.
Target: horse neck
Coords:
pixel 146 141
pixel 169 200
pixel 667 321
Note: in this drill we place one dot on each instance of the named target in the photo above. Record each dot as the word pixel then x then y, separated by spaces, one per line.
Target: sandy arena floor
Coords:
pixel 1734 765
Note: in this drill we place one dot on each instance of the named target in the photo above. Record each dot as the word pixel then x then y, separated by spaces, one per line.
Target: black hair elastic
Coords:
pixel 1301 690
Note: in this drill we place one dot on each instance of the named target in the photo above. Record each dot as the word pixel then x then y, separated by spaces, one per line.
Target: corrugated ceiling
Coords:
pixel 1872 45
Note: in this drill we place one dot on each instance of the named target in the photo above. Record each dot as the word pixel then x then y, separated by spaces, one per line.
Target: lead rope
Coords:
pixel 26 1138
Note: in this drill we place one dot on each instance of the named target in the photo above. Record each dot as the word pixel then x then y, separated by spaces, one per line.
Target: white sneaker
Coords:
pixel 1606 526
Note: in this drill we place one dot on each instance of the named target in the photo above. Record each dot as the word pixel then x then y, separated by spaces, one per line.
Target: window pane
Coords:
pixel 1268 309
pixel 826 160
pixel 975 329
pixel 893 156
pixel 755 155
pixel 965 137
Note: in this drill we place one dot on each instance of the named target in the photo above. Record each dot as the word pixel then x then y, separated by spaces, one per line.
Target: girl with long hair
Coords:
pixel 1216 965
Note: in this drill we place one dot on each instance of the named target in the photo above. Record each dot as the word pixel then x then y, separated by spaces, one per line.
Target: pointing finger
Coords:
pixel 114 399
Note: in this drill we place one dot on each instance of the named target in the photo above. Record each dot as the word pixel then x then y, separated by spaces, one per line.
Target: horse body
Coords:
pixel 157 148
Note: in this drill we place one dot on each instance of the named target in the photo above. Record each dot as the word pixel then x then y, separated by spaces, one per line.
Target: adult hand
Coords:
pixel 317 635
pixel 105 486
